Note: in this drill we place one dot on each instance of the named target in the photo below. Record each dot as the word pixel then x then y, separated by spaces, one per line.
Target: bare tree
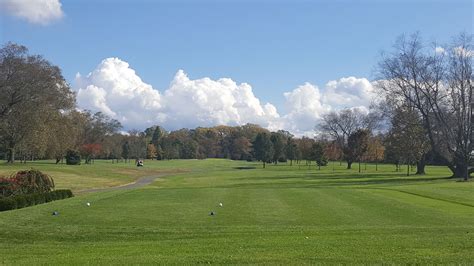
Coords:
pixel 340 125
pixel 439 87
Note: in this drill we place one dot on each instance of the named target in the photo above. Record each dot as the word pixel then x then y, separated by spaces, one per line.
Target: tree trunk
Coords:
pixel 460 170
pixel 11 155
pixel 359 166
pixel 376 166
pixel 420 166
pixel 263 164
pixel 349 164
pixel 408 169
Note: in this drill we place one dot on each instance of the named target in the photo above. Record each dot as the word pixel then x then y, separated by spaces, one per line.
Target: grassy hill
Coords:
pixel 282 214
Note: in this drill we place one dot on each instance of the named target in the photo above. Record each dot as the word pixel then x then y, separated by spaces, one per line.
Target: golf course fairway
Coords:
pixel 278 215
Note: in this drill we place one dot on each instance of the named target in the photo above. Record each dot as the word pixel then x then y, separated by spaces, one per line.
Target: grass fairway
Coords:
pixel 278 215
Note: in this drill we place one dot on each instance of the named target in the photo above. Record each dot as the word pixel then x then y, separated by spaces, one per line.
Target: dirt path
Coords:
pixel 140 182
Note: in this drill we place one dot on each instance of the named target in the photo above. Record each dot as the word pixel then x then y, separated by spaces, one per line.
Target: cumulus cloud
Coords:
pixel 34 11
pixel 307 104
pixel 348 92
pixel 304 107
pixel 115 89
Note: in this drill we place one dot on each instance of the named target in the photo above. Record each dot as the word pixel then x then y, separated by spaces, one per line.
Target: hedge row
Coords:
pixel 21 201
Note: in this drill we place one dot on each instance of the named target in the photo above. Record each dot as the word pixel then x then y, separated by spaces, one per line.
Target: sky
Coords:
pixel 280 64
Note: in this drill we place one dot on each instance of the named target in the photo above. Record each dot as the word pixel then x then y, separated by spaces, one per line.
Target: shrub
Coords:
pixel 48 197
pixel 73 157
pixel 25 200
pixel 7 204
pixel 60 194
pixel 64 193
pixel 20 200
pixel 69 193
pixel 30 199
pixel 39 198
pixel 8 186
pixel 33 181
pixel 54 195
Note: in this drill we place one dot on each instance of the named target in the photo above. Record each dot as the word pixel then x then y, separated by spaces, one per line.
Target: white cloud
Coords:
pixel 307 103
pixel 304 108
pixel 348 92
pixel 34 11
pixel 207 102
pixel 439 50
pixel 115 89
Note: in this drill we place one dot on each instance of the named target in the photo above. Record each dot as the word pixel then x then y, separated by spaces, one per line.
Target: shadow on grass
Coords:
pixel 328 183
pixel 338 175
pixel 245 167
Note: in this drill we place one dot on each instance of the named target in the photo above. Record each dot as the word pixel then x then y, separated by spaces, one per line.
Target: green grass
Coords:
pixel 277 215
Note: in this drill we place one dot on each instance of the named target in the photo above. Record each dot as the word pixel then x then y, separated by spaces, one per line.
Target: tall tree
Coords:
pixel 263 148
pixel 407 136
pixel 278 140
pixel 317 154
pixel 126 150
pixel 32 91
pixel 375 150
pixel 438 86
pixel 291 150
pixel 357 144
pixel 151 151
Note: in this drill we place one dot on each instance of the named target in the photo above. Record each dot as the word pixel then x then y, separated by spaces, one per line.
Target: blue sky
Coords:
pixel 274 46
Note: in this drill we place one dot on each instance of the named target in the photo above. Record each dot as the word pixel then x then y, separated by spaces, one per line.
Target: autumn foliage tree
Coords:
pixel 90 151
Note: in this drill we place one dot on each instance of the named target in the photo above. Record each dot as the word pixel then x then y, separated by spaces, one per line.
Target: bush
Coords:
pixel 60 194
pixel 54 195
pixel 8 186
pixel 20 200
pixel 7 204
pixel 73 157
pixel 69 193
pixel 33 181
pixel 48 197
pixel 25 200
pixel 30 199
pixel 39 198
pixel 64 193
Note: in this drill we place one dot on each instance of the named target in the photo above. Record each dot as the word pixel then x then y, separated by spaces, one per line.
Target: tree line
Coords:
pixel 425 116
